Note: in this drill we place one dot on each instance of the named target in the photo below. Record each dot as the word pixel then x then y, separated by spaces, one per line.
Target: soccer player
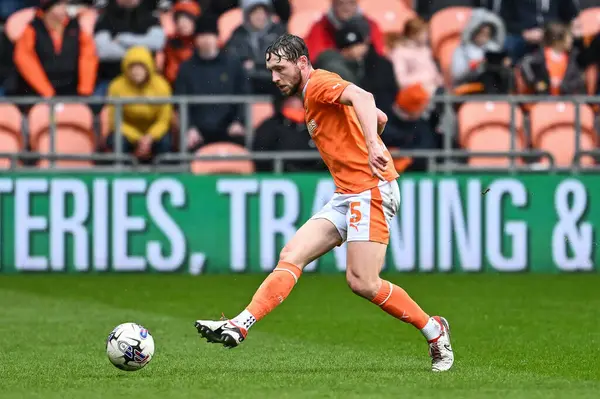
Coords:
pixel 345 125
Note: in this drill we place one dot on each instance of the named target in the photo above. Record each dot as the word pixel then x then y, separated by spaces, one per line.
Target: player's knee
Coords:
pixel 362 286
pixel 290 254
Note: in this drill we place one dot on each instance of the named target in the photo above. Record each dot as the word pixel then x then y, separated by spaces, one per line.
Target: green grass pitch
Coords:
pixel 514 336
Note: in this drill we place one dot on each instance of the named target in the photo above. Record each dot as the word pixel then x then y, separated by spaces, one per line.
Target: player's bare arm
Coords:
pixel 369 118
pixel 382 120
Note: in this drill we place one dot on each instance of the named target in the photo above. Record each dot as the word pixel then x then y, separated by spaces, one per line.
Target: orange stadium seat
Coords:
pixel 590 21
pixel 261 112
pixel 445 28
pixel 228 22
pixel 74 132
pixel 301 22
pixel 87 20
pixel 105 128
pixel 167 23
pixel 17 22
pixel 485 126
pixel 591 79
pixel 10 132
pixel 553 130
pixel 244 167
pixel 390 15
pixel 310 5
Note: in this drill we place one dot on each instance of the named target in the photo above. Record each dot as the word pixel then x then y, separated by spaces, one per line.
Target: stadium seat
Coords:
pixel 74 132
pixel 212 167
pixel 390 15
pixel 87 20
pixel 553 130
pixel 261 112
pixel 591 79
pixel 309 5
pixel 17 22
pixel 486 126
pixel 228 22
pixel 301 22
pixel 105 127
pixel 167 23
pixel 590 21
pixel 446 27
pixel 11 139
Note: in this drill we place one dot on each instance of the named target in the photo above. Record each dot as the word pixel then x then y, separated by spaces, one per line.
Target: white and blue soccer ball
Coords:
pixel 130 347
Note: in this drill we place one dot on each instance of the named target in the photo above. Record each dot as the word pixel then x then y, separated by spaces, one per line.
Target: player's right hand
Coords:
pixel 378 161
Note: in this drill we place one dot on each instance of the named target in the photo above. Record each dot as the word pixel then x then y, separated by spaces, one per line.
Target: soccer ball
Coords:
pixel 130 347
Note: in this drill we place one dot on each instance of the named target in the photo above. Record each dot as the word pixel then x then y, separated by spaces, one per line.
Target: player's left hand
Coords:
pixel 377 161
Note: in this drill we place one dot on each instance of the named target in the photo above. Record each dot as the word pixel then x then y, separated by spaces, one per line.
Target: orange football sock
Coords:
pixel 276 287
pixel 396 302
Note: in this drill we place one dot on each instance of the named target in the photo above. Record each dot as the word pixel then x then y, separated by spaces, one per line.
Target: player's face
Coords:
pixel 286 75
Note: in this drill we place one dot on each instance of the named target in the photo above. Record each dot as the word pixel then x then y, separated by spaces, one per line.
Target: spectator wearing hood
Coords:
pixel 286 131
pixel 54 56
pixel 482 38
pixel 321 35
pixel 525 21
pixel 553 69
pixel 124 24
pixel 180 46
pixel 251 39
pixel 359 63
pixel 144 127
pixel 212 72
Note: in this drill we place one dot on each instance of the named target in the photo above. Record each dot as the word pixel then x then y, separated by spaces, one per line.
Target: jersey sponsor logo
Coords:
pixel 312 127
pixel 337 85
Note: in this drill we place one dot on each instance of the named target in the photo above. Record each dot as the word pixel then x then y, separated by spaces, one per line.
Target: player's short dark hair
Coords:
pixel 288 47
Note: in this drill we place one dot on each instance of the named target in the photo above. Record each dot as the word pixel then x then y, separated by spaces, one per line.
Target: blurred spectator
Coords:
pixel 412 58
pixel 150 5
pixel 122 25
pixel 358 62
pixel 53 56
pixel 180 46
pixel 251 39
pixel 144 127
pixel 590 55
pixel 480 58
pixel 286 131
pixel 525 20
pixel 413 123
pixel 282 8
pixel 321 35
pixel 553 69
pixel 426 8
pixel 212 72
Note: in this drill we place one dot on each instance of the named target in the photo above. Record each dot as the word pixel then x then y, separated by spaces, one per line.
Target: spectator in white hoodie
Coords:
pixel 484 33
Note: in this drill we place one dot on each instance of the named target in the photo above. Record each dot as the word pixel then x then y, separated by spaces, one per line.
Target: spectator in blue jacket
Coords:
pixel 212 72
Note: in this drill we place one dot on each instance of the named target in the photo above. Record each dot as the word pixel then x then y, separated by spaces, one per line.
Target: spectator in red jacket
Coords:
pixel 321 35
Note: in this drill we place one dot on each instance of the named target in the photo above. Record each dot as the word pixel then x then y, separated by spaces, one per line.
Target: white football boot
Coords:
pixel 223 332
pixel 440 349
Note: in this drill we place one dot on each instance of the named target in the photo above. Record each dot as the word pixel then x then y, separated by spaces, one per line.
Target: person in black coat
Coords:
pixel 357 61
pixel 212 72
pixel 286 131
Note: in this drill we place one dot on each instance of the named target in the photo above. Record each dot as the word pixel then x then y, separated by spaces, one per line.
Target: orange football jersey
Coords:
pixel 337 133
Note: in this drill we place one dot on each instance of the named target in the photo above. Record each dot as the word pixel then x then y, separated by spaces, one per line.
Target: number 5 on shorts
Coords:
pixel 355 215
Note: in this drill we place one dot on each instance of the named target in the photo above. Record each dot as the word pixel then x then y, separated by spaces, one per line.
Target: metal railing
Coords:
pixel 447 155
